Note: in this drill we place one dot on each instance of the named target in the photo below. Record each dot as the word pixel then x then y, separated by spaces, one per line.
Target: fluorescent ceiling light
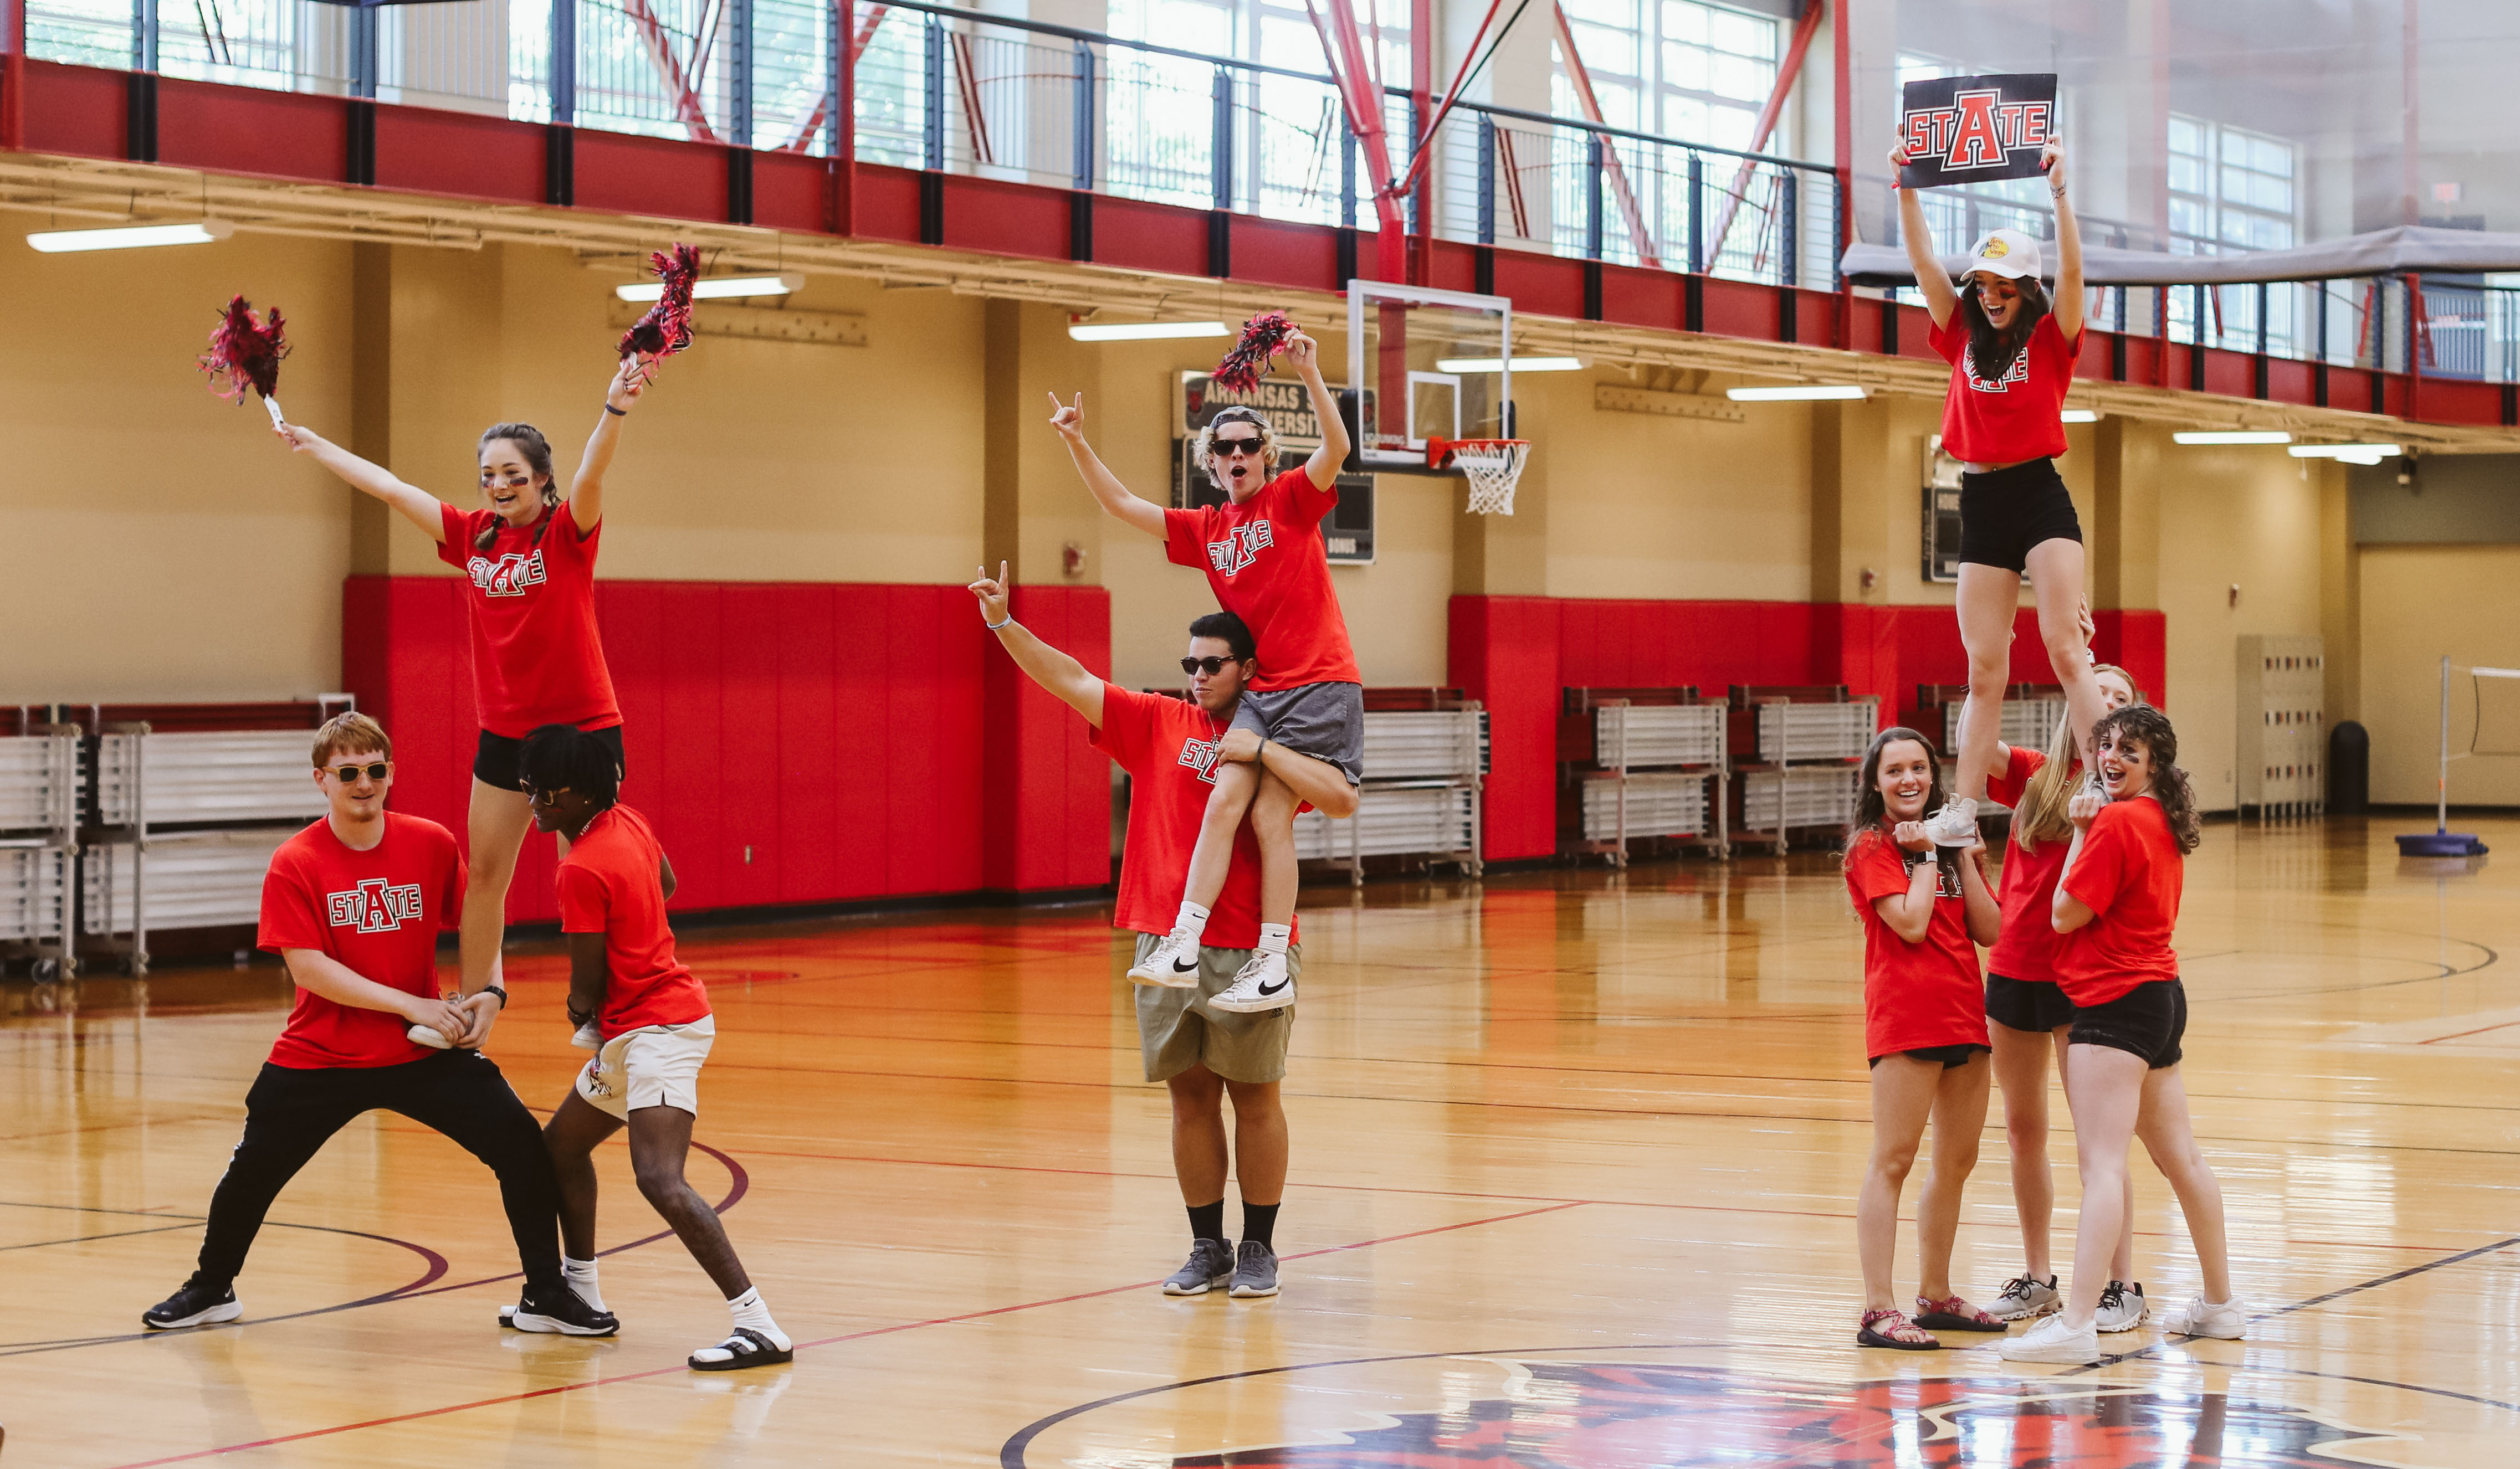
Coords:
pixel 2079 415
pixel 1144 331
pixel 1520 364
pixel 2360 453
pixel 717 286
pixel 131 237
pixel 1795 393
pixel 2235 436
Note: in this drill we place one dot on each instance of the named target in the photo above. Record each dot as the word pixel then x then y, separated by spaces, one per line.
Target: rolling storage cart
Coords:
pixel 183 820
pixel 1425 765
pixel 1643 763
pixel 39 805
pixel 1804 746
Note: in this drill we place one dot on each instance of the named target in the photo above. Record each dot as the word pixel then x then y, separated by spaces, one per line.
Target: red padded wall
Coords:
pixel 1504 652
pixel 835 730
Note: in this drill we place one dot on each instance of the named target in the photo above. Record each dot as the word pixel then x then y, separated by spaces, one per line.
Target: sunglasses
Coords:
pixel 348 775
pixel 549 797
pixel 1209 666
pixel 1228 448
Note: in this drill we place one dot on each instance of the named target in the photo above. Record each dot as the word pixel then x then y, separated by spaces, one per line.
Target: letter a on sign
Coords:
pixel 1970 129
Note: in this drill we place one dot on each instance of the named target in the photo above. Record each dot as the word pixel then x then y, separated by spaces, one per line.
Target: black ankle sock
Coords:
pixel 1260 1223
pixel 1208 1221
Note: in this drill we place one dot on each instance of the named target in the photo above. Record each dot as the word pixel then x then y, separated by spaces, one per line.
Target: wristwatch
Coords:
pixel 498 991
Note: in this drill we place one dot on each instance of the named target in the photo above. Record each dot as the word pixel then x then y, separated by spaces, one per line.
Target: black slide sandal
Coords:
pixel 747 1348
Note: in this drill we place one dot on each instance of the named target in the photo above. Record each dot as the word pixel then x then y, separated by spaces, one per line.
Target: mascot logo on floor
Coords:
pixel 1575 1414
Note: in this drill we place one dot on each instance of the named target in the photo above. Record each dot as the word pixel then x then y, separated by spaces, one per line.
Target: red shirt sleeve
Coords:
pixel 455 547
pixel 2005 790
pixel 1185 538
pixel 1306 503
pixel 2100 869
pixel 293 917
pixel 1127 733
pixel 567 539
pixel 585 904
pixel 1950 340
pixel 1875 871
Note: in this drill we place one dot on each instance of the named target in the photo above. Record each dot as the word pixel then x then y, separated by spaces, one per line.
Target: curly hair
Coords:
pixel 2149 727
pixel 2041 815
pixel 1870 808
pixel 1202 450
pixel 565 757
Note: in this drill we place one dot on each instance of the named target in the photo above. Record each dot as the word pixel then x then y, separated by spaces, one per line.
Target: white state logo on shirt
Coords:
pixel 1947 879
pixel 508 576
pixel 2018 372
pixel 373 907
pixel 1200 755
pixel 1241 547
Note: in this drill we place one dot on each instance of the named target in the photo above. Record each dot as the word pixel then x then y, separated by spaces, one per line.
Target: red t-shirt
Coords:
pixel 537 658
pixel 1265 562
pixel 1921 994
pixel 378 913
pixel 2129 872
pixel 2017 417
pixel 609 884
pixel 1169 747
pixel 2027 948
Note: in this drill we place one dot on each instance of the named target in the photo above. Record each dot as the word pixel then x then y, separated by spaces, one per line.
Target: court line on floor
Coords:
pixel 852 1336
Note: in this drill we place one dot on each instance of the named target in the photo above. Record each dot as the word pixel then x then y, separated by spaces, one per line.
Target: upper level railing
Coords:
pixel 948 89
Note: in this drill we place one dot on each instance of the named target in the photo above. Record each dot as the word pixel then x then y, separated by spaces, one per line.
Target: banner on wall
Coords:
pixel 1975 129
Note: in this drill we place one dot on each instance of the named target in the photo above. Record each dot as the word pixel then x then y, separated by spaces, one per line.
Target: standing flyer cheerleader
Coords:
pixel 2028 1014
pixel 1924 908
pixel 2013 356
pixel 530 556
pixel 2117 903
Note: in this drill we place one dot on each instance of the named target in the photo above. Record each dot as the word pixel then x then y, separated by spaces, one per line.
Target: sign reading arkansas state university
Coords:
pixel 1970 129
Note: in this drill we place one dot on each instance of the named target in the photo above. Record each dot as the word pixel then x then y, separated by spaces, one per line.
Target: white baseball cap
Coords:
pixel 2004 253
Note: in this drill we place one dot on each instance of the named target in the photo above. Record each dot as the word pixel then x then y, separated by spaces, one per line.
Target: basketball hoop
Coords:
pixel 1493 467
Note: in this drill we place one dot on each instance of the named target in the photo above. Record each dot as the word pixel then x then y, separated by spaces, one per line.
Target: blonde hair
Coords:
pixel 349 734
pixel 1202 452
pixel 2042 815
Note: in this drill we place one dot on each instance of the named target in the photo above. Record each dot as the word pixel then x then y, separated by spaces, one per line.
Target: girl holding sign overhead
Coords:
pixel 2012 350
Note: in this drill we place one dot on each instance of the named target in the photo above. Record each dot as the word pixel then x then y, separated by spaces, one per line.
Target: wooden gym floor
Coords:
pixel 1574 1162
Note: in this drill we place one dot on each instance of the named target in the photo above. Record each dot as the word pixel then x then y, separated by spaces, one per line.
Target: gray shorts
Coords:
pixel 1326 721
pixel 1176 1029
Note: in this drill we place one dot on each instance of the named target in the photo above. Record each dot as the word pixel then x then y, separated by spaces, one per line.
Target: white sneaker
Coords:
pixel 2052 1340
pixel 2122 1306
pixel 1261 984
pixel 589 1037
pixel 1172 965
pixel 2024 1297
pixel 2228 1322
pixel 1956 825
pixel 430 1036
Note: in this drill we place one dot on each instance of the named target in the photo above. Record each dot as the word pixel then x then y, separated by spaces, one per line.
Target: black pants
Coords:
pixel 291 1113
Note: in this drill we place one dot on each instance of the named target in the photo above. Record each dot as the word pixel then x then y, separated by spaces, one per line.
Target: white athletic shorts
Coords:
pixel 652 1066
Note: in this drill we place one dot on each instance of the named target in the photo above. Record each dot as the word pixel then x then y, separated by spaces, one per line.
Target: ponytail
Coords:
pixel 536 449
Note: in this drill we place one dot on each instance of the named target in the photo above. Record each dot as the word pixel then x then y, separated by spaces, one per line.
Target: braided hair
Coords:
pixel 536 449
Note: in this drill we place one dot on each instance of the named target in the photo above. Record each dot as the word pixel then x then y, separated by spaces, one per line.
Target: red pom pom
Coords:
pixel 244 352
pixel 666 329
pixel 1262 339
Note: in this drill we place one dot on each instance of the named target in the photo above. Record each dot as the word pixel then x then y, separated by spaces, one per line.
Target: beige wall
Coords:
pixel 2420 602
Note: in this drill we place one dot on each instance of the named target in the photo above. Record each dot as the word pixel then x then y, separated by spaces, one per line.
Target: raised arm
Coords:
pixel 1108 492
pixel 1324 466
pixel 417 505
pixel 1913 233
pixel 2069 247
pixel 315 970
pixel 1074 682
pixel 620 395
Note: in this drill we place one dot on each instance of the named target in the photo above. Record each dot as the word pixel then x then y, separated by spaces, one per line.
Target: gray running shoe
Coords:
pixel 1255 1271
pixel 2122 1306
pixel 1210 1266
pixel 2024 1297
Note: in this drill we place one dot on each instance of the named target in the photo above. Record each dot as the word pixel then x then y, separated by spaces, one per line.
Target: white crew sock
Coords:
pixel 581 1274
pixel 1191 921
pixel 748 1311
pixel 1273 937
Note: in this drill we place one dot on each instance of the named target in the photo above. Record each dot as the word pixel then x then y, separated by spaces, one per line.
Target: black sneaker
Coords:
pixel 563 1313
pixel 196 1304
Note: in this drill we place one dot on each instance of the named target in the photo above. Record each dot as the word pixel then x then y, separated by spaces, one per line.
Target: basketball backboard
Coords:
pixel 1426 364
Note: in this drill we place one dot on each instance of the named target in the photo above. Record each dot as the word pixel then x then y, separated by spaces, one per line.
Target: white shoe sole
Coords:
pixel 2031 1314
pixel 2055 1353
pixel 1253 1293
pixel 1164 980
pixel 1260 1005
pixel 1178 1292
pixel 553 1325
pixel 2206 1336
pixel 227 1310
pixel 2105 1329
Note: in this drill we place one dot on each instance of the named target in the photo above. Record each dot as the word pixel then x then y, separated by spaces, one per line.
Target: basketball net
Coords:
pixel 1493 467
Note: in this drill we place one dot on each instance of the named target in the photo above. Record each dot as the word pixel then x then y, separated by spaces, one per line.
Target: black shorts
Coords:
pixel 2029 1005
pixel 2148 1021
pixel 2006 512
pixel 495 759
pixel 1949 1056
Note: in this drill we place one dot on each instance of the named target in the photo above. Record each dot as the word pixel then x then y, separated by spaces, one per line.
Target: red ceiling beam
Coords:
pixel 1344 47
